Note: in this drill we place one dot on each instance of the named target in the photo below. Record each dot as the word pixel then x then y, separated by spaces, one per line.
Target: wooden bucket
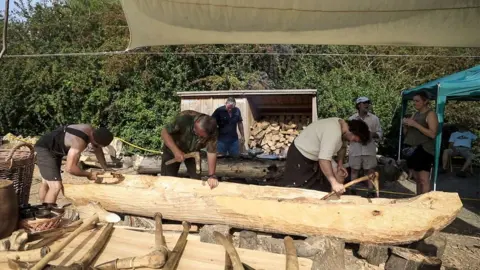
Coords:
pixel 8 208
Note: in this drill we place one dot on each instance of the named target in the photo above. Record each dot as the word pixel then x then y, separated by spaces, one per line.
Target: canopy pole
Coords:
pixel 5 28
pixel 400 135
pixel 440 110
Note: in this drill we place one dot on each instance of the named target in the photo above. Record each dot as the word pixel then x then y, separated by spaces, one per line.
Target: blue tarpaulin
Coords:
pixel 462 86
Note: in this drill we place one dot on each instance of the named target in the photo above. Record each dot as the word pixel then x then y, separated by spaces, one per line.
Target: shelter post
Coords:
pixel 440 109
pixel 400 136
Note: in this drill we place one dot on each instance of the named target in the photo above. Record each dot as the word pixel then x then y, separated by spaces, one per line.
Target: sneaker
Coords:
pixel 462 174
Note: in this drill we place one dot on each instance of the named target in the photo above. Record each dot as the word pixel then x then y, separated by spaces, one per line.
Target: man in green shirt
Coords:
pixel 190 132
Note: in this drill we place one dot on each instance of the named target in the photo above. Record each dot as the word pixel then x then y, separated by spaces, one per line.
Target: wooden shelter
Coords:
pixel 256 105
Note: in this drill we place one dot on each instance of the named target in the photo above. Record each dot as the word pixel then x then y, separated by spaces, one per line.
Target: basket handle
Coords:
pixel 29 145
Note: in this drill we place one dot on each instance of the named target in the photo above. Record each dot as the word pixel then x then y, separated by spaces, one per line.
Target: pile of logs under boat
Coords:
pixel 275 134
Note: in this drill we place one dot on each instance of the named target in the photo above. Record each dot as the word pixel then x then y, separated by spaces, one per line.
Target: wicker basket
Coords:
pixel 41 224
pixel 17 165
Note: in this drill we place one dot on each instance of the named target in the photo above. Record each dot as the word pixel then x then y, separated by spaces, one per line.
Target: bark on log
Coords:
pixel 374 254
pixel 228 167
pixel 409 259
pixel 331 256
pixel 251 207
pixel 248 240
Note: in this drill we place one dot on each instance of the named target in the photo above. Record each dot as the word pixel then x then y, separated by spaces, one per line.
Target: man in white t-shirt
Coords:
pixel 460 144
pixel 313 150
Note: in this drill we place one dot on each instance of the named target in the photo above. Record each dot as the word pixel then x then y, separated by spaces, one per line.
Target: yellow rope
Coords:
pixel 138 147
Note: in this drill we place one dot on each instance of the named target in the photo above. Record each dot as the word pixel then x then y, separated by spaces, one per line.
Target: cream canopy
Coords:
pixel 353 22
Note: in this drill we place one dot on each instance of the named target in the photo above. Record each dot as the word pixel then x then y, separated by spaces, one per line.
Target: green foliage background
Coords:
pixel 134 95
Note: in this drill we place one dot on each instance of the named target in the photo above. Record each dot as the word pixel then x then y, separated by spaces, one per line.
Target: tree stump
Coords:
pixel 330 255
pixel 409 259
pixel 374 254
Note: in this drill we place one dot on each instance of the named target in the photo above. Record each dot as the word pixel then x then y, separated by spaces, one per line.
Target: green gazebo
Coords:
pixel 462 86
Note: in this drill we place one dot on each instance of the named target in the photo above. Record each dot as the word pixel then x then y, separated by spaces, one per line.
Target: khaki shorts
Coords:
pixel 461 151
pixel 363 162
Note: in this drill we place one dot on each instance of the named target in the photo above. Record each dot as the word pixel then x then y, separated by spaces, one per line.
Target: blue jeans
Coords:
pixel 232 148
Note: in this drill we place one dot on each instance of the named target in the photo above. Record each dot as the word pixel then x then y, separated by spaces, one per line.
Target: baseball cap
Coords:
pixel 362 100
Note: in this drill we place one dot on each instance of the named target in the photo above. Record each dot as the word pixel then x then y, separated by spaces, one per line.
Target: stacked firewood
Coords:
pixel 275 134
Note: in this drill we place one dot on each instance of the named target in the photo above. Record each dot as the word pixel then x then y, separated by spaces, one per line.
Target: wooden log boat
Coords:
pixel 274 209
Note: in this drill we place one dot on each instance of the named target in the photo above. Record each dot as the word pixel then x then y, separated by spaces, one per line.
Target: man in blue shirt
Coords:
pixel 228 119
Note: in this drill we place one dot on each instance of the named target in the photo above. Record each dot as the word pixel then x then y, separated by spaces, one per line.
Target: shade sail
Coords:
pixel 341 22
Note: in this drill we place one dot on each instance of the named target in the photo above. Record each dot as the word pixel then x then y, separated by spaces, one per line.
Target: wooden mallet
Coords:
pixel 195 155
pixel 375 183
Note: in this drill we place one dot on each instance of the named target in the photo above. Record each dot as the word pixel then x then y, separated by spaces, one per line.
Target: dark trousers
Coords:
pixel 172 169
pixel 301 172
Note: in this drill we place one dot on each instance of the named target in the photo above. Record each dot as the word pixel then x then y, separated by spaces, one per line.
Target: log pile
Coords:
pixel 276 133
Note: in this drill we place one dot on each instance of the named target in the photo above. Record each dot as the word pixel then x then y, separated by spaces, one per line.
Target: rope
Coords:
pixel 411 195
pixel 138 147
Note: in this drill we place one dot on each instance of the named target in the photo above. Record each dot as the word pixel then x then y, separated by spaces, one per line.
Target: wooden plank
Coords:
pixel 274 209
pixel 197 255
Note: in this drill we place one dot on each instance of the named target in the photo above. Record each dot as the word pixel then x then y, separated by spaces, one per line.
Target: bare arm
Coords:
pixel 405 126
pixel 378 134
pixel 327 169
pixel 73 157
pixel 212 163
pixel 168 140
pixel 240 128
pixel 341 155
pixel 100 157
pixel 432 122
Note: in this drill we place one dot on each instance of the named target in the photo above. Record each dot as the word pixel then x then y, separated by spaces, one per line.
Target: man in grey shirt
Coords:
pixel 313 151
